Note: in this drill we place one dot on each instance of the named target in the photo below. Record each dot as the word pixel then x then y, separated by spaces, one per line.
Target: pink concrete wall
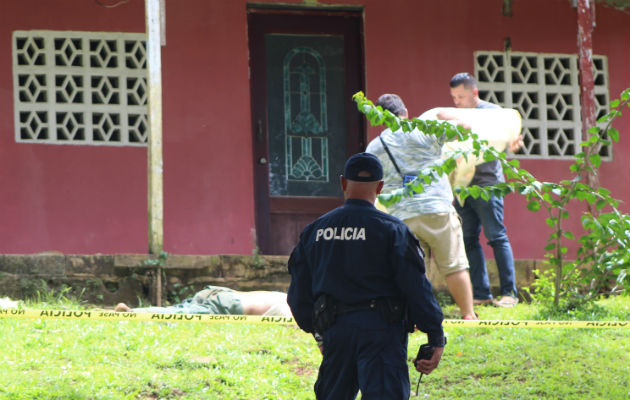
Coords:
pixel 86 199
pixel 439 39
pixel 81 199
pixel 208 176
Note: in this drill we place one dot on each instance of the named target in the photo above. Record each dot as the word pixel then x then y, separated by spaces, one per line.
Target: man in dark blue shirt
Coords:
pixel 358 280
pixel 476 213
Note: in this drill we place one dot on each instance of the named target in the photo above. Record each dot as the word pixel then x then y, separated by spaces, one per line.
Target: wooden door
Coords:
pixel 305 67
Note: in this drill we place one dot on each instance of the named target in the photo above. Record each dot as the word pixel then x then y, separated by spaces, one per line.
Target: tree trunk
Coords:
pixel 586 22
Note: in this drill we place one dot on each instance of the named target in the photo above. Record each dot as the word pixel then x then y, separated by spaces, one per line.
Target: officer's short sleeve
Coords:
pixel 407 255
pixel 408 263
pixel 300 293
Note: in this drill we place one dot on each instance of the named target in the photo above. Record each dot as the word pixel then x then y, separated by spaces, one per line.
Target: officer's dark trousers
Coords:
pixel 362 351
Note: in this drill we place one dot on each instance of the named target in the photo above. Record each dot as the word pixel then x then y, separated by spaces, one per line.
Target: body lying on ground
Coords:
pixel 221 300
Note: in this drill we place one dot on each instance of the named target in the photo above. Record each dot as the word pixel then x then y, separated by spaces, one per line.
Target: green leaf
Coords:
pixel 474 191
pixel 580 195
pixel 615 103
pixel 533 206
pixel 514 163
pixel 595 159
pixel 450 164
pixel 463 194
pixel 604 118
pixel 417 185
pixel 613 134
pixel 510 174
pixel 487 156
pixel 603 191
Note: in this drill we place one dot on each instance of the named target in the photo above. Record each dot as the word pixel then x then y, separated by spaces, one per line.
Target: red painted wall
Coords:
pixel 73 199
pixel 208 177
pixel 87 199
pixel 441 38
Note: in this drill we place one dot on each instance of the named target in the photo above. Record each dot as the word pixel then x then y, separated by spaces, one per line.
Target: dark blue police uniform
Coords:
pixel 356 254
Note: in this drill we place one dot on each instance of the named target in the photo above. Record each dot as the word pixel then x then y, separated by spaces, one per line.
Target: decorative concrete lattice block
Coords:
pixel 80 88
pixel 545 89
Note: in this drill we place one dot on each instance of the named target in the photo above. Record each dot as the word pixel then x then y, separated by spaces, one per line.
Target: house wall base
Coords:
pixel 105 280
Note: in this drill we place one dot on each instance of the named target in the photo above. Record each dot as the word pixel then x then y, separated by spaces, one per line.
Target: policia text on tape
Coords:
pixel 261 319
pixel 131 316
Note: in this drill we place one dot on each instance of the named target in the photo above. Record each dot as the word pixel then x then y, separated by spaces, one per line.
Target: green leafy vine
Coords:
pixel 602 262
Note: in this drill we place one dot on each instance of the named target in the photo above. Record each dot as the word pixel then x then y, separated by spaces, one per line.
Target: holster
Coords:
pixel 395 310
pixel 392 310
pixel 323 313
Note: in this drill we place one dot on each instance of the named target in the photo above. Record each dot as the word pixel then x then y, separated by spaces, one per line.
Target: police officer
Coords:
pixel 358 280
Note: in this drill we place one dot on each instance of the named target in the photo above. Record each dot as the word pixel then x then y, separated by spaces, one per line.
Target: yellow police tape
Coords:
pixel 259 319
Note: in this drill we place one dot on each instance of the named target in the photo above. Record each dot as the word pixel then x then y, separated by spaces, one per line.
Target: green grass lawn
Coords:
pixel 60 359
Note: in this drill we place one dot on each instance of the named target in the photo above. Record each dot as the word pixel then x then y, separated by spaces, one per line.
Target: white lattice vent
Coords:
pixel 545 89
pixel 80 88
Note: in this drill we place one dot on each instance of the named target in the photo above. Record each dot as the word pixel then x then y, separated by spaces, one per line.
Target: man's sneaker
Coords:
pixel 506 301
pixel 484 302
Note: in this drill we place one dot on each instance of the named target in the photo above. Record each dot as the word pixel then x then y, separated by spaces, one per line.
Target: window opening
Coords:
pixel 80 88
pixel 545 89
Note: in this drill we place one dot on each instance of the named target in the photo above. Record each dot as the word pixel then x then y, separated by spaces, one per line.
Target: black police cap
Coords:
pixel 363 167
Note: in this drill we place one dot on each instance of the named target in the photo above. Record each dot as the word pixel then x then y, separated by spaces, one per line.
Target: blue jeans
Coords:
pixel 477 213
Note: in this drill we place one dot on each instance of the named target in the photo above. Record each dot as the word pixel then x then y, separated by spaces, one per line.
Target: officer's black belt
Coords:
pixel 341 308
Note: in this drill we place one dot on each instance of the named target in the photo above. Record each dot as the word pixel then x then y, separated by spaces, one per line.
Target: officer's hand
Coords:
pixel 320 342
pixel 427 366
